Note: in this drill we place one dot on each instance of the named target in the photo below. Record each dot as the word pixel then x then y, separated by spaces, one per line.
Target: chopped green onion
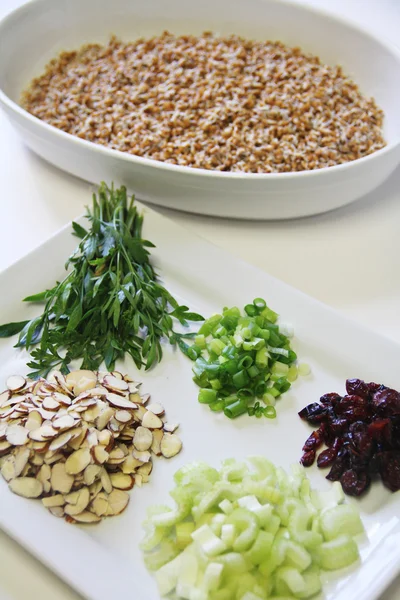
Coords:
pixel 207 396
pixel 270 412
pixel 236 355
pixel 237 408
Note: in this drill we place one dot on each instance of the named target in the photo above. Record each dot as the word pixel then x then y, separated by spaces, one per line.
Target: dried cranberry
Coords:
pixel 360 438
pixel 350 403
pixel 326 458
pixel 358 387
pixel 387 402
pixel 308 458
pixel 376 428
pixel 390 469
pixel 313 413
pixel 330 399
pixel 339 426
pixel 327 434
pixel 374 387
pixel 313 442
pixel 340 465
pixel 355 483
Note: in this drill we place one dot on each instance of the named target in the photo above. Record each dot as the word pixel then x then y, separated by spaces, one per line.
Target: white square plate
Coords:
pixel 104 561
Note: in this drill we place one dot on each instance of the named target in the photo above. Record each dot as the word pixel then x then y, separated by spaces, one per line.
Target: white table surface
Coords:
pixel 349 258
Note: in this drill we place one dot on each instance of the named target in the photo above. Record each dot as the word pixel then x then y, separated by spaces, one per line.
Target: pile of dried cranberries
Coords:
pixel 362 433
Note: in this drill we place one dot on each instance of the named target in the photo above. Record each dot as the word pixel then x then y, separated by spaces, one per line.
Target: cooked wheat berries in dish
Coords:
pixel 209 102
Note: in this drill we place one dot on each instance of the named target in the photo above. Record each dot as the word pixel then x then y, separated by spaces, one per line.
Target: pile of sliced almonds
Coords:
pixel 80 441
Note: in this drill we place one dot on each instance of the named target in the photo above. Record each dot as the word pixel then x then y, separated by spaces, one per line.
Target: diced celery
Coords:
pixel 297 556
pixel 228 534
pixel 343 519
pixel 210 544
pixel 226 506
pixel 167 576
pixel 338 553
pixel 261 547
pixel 247 524
pixel 217 522
pixel 212 577
pixel 292 578
pixel 183 534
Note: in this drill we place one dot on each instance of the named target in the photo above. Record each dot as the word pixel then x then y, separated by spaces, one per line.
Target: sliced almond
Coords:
pixel 45 414
pixel 91 439
pixel 8 469
pixel 53 501
pixel 106 481
pixel 64 423
pixel 80 504
pixel 61 481
pixel 151 421
pixel 37 460
pixel 90 415
pixel 123 416
pixel 145 398
pixel 156 408
pixel 61 382
pixel 3 429
pixel 52 457
pixel 117 456
pixel 122 481
pixel 139 412
pixel 95 488
pixel 87 517
pixel 57 511
pixel 40 447
pixel 4 397
pixel 78 461
pixel 28 487
pixel 100 454
pixel 100 505
pixel 21 459
pixel 158 435
pixel 120 401
pixel 105 437
pixel 116 374
pixel 171 445
pixel 43 433
pixel 15 383
pixel 4 447
pixel 135 398
pixel 133 389
pixel 50 404
pixel 104 417
pixel 61 441
pixel 142 456
pixel 91 473
pixel 34 421
pixel 131 464
pixel 138 480
pixel 170 427
pixel 17 435
pixel 117 500
pixel 77 440
pixel 143 439
pixel 145 470
pixel 44 473
pixel 80 381
pixel 113 383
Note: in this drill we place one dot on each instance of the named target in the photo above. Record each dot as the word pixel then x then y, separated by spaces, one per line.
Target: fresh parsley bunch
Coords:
pixel 110 303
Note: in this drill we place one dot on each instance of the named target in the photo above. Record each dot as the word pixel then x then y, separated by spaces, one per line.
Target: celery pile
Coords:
pixel 243 363
pixel 249 531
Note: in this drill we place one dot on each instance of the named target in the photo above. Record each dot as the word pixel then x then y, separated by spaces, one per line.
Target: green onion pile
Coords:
pixel 243 363
pixel 249 531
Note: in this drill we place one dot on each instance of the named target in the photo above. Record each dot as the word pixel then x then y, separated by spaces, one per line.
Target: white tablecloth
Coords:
pixel 349 259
